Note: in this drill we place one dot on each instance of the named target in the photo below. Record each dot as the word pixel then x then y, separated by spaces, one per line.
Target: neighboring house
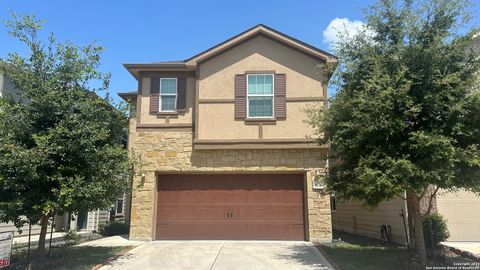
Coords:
pixel 83 221
pixel 353 217
pixel 6 87
pixel 461 210
pixel 224 149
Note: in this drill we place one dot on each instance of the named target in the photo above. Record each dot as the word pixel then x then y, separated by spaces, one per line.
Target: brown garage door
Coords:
pixel 230 206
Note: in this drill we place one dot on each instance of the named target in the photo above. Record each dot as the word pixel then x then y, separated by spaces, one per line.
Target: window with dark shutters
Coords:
pixel 240 96
pixel 280 96
pixel 280 106
pixel 181 94
pixel 154 94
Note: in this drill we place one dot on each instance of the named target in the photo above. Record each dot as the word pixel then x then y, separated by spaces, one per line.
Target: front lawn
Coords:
pixel 362 253
pixel 73 257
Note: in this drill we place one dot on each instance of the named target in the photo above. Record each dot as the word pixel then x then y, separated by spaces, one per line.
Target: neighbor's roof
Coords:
pixel 128 95
pixel 190 63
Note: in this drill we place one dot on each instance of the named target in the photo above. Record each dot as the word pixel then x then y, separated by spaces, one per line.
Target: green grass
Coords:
pixel 362 253
pixel 75 258
pixel 363 256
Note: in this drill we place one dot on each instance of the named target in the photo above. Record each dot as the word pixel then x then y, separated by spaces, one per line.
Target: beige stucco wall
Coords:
pixel 216 81
pixel 216 76
pixel 183 117
pixel 172 152
pixel 353 217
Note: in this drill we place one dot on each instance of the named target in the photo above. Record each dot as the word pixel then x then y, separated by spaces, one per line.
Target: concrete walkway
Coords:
pixel 112 241
pixel 228 255
pixel 470 247
pixel 56 237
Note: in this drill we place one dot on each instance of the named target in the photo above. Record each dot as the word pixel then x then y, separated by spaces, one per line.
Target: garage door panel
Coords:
pixel 462 211
pixel 230 207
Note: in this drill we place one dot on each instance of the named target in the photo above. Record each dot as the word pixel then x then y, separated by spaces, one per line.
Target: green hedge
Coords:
pixel 440 230
pixel 113 228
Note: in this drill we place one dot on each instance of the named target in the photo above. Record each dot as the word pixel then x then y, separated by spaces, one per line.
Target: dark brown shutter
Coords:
pixel 181 94
pixel 280 96
pixel 240 96
pixel 154 94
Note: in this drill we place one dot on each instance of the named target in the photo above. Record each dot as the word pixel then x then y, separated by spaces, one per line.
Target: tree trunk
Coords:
pixel 419 238
pixel 43 234
pixel 410 210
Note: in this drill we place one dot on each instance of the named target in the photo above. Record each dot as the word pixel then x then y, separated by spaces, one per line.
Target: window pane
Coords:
pixel 168 103
pixel 268 88
pixel 168 86
pixel 252 84
pixel 119 206
pixel 260 84
pixel 260 106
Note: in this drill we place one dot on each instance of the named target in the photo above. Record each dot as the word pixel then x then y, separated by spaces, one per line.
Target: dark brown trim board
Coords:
pixel 260 72
pixel 196 106
pixel 289 99
pixel 164 127
pixel 256 144
pixel 260 120
pixel 216 101
pixel 304 99
pixel 160 74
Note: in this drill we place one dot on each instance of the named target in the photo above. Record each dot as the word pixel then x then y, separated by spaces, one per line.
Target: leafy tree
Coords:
pixel 61 146
pixel 406 116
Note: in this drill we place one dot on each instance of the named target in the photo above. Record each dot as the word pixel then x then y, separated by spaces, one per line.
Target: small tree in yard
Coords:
pixel 61 145
pixel 406 116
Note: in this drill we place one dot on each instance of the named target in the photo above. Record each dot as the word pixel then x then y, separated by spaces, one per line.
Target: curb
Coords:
pixel 109 260
pixel 332 263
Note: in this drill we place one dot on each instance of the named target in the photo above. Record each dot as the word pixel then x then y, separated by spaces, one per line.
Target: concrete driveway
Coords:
pixel 228 255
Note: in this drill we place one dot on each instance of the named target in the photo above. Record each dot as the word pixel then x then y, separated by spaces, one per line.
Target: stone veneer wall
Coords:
pixel 172 152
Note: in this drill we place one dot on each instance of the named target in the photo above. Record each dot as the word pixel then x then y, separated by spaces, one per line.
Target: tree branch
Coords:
pixel 430 202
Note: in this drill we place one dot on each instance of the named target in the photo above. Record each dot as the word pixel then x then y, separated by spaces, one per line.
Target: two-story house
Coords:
pixel 224 149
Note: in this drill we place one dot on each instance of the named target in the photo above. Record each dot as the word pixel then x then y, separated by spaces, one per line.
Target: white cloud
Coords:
pixel 341 25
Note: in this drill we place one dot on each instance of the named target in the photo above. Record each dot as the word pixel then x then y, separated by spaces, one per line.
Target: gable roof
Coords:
pixel 260 29
pixel 268 31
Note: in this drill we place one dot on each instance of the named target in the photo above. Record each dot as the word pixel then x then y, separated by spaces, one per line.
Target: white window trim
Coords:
pixel 116 206
pixel 263 95
pixel 160 95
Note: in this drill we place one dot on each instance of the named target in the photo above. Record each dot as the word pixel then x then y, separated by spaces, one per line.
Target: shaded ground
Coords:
pixel 73 257
pixel 357 252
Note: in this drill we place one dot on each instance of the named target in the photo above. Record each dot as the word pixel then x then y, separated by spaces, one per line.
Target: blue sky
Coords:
pixel 149 31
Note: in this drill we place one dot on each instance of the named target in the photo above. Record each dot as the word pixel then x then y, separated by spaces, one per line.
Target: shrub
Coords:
pixel 71 238
pixel 113 228
pixel 440 230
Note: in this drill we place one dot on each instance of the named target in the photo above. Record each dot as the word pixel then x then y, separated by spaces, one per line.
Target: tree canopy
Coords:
pixel 61 145
pixel 407 112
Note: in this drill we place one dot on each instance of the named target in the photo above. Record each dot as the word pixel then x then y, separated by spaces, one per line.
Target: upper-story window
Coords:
pixel 260 95
pixel 168 94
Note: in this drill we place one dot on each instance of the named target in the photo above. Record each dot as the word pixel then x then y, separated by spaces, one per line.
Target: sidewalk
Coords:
pixel 21 241
pixel 113 241
pixel 466 249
